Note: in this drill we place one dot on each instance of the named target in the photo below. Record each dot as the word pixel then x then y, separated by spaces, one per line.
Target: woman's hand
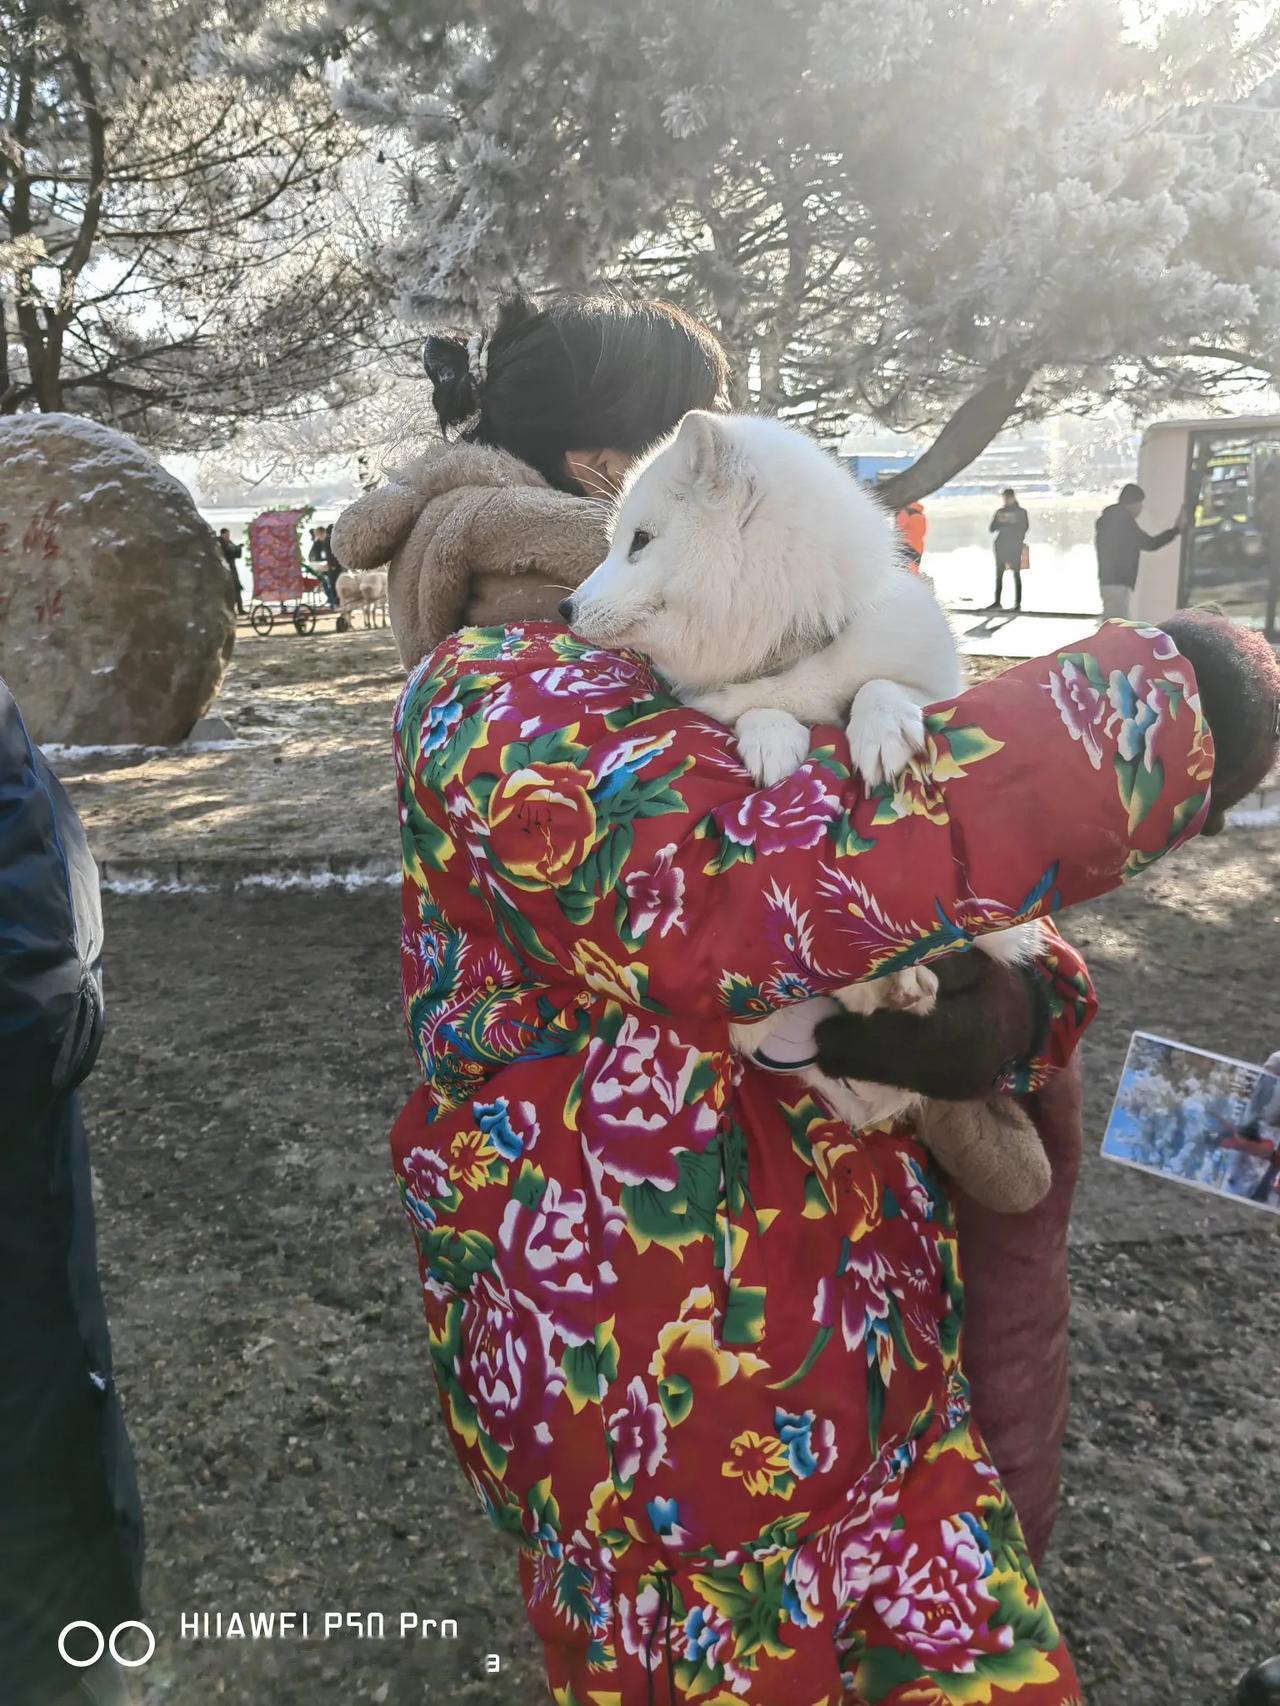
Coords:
pixel 986 1017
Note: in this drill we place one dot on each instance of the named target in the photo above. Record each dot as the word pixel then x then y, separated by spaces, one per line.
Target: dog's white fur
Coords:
pixel 767 587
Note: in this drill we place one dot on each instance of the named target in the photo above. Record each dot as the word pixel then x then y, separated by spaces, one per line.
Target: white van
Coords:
pixel 1226 475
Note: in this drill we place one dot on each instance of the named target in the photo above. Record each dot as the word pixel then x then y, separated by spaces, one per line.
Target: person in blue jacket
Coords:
pixel 70 1517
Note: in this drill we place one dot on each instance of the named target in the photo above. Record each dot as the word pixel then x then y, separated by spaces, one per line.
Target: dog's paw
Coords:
pixel 860 998
pixel 772 745
pixel 886 731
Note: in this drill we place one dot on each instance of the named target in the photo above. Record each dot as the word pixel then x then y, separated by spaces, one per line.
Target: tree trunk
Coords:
pixel 965 436
pixel 769 356
pixel 6 380
pixel 738 353
pixel 49 385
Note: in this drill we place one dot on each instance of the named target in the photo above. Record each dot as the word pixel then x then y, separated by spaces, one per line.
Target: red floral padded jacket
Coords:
pixel 683 1322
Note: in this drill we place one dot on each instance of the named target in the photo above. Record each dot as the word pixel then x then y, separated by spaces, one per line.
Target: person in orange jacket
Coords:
pixel 912 527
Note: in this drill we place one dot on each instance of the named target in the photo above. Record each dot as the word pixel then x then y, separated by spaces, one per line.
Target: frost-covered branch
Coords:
pixel 839 203
pixel 172 248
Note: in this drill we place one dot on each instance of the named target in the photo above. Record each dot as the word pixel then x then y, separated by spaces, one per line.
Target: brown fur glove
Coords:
pixel 986 1016
pixel 1239 681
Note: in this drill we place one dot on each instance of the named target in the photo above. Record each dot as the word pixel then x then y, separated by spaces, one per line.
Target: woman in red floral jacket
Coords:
pixel 494 528
pixel 698 1344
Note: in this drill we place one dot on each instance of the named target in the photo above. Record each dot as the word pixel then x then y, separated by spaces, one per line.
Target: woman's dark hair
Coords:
pixel 584 373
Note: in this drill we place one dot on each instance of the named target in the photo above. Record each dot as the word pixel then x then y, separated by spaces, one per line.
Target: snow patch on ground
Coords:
pixel 1254 817
pixel 150 885
pixel 278 881
pixel 57 754
pixel 317 879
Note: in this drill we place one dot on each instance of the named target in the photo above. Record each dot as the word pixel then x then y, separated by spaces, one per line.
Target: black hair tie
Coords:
pixel 448 366
pixel 445 360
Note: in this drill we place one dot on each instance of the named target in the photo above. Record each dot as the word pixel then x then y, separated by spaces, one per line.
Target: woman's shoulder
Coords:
pixel 446 469
pixel 372 529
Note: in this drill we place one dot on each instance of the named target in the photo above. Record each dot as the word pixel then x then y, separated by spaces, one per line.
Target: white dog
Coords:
pixel 766 586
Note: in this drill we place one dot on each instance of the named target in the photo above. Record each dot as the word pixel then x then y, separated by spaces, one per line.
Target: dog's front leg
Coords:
pixel 886 730
pixel 727 704
pixel 772 745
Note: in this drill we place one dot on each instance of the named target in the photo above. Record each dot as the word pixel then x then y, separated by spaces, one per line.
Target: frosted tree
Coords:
pixel 168 259
pixel 387 407
pixel 953 215
pixel 1089 452
pixel 356 445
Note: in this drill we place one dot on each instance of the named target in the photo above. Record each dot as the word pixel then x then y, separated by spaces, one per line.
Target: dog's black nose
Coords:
pixel 565 607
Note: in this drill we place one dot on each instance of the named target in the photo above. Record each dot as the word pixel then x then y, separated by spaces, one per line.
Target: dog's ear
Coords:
pixel 713 465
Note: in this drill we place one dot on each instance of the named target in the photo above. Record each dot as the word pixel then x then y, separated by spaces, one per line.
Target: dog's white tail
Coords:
pixel 1016 946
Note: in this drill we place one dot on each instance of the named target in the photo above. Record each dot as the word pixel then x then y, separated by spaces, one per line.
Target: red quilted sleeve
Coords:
pixel 620 846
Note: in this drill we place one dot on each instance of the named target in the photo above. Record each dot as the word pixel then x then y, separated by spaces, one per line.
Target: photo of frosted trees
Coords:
pixel 1202 1118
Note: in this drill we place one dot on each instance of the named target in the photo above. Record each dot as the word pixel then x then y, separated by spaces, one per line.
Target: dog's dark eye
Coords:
pixel 639 539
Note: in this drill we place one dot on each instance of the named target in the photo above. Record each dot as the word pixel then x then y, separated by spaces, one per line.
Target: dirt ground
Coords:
pixel 301 788
pixel 264 1298
pixel 271 1349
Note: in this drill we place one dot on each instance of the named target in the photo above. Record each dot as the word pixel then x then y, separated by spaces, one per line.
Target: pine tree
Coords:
pixel 167 259
pixel 946 214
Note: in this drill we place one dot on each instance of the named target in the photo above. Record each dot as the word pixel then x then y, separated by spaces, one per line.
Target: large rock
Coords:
pixel 115 602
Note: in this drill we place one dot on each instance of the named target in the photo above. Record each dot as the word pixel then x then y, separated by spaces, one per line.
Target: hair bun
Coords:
pixel 453 392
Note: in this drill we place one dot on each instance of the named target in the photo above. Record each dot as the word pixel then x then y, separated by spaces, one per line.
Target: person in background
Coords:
pixel 1010 524
pixel 1119 541
pixel 333 568
pixel 320 557
pixel 70 1516
pixel 912 527
pixel 233 553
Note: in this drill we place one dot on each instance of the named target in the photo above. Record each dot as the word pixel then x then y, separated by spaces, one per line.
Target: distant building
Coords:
pixel 870 468
pixel 1063 455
